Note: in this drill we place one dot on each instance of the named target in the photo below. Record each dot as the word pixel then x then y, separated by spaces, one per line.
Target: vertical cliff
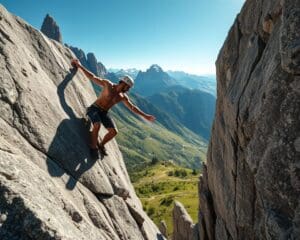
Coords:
pixel 251 186
pixel 49 186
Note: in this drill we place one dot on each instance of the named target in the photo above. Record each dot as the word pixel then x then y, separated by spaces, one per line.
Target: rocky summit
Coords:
pixel 250 187
pixel 89 61
pixel 50 188
pixel 51 29
pixel 152 81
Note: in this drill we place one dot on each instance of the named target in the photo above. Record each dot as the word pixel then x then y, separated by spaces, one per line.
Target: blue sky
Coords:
pixel 176 34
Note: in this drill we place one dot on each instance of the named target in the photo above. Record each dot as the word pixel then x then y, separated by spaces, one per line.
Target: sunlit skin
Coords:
pixel 110 95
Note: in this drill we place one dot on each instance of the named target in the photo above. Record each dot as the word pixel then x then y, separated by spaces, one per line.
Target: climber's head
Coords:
pixel 126 82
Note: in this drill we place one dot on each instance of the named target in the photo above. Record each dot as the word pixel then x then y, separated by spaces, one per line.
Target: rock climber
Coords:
pixel 97 113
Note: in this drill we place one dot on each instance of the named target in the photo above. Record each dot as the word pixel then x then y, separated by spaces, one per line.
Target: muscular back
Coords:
pixel 108 96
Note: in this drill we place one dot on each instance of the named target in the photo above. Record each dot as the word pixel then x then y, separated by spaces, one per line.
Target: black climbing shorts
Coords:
pixel 98 115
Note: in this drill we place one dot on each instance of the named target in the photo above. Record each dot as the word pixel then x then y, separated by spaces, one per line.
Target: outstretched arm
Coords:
pixel 91 76
pixel 136 110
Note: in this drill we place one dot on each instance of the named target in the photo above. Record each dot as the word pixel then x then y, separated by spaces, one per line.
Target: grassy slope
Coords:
pixel 157 191
pixel 140 141
pixel 166 139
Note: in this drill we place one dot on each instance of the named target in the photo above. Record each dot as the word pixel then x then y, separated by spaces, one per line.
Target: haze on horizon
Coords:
pixel 178 35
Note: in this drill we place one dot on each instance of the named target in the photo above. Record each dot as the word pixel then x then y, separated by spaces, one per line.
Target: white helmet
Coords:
pixel 128 80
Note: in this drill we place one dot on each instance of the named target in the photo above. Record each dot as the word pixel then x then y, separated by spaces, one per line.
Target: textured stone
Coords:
pixel 252 185
pixel 49 186
pixel 163 228
pixel 206 217
pixel 183 227
pixel 94 66
pixel 80 55
pixel 89 61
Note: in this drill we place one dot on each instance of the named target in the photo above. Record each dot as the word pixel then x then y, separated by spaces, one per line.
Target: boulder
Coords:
pixel 183 227
pixel 163 228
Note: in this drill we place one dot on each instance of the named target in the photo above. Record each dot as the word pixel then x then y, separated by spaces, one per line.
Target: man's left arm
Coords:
pixel 136 110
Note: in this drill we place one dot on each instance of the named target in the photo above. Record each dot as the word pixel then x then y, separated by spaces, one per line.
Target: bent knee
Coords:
pixel 113 131
pixel 96 126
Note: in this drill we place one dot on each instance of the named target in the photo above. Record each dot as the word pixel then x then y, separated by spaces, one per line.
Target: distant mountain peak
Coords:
pixel 155 68
pixel 51 29
pixel 132 72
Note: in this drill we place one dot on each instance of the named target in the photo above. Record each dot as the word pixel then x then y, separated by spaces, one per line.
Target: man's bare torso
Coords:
pixel 109 96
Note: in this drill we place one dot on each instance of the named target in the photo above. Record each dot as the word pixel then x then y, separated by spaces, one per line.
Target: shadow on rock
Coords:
pixel 68 151
pixel 17 221
pixel 160 236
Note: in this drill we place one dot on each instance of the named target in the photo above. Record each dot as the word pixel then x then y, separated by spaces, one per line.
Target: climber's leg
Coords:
pixel 112 132
pixel 94 135
pixel 94 116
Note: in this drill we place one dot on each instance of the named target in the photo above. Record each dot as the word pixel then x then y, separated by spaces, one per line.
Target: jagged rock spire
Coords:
pixel 51 29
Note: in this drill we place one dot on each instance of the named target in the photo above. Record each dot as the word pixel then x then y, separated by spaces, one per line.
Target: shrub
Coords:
pixel 166 201
pixel 177 173
pixel 151 211
pixel 155 188
pixel 154 160
pixel 183 173
pixel 180 173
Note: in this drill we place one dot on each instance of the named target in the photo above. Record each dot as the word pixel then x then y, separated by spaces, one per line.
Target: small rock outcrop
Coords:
pixel 163 228
pixel 50 188
pixel 96 67
pixel 90 62
pixel 251 186
pixel 80 54
pixel 51 29
pixel 183 227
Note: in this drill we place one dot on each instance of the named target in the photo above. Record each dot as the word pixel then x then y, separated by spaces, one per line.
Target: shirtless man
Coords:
pixel 97 113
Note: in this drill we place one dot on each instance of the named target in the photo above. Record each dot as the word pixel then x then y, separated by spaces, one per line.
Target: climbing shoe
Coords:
pixel 102 150
pixel 94 153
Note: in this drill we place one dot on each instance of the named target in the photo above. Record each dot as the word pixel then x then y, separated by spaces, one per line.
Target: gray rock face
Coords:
pixel 251 187
pixel 80 54
pixel 96 67
pixel 163 228
pixel 51 29
pixel 183 227
pixel 90 62
pixel 49 186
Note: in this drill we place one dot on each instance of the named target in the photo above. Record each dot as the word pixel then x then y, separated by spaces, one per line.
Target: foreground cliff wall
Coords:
pixel 49 186
pixel 251 186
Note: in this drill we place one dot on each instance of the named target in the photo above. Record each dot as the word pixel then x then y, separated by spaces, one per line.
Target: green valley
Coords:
pixel 166 139
pixel 158 185
pixel 141 141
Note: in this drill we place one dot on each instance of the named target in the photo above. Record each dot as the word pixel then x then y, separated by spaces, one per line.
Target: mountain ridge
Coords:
pixel 191 107
pixel 153 80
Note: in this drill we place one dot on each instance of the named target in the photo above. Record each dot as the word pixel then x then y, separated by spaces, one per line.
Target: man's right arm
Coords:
pixel 91 76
